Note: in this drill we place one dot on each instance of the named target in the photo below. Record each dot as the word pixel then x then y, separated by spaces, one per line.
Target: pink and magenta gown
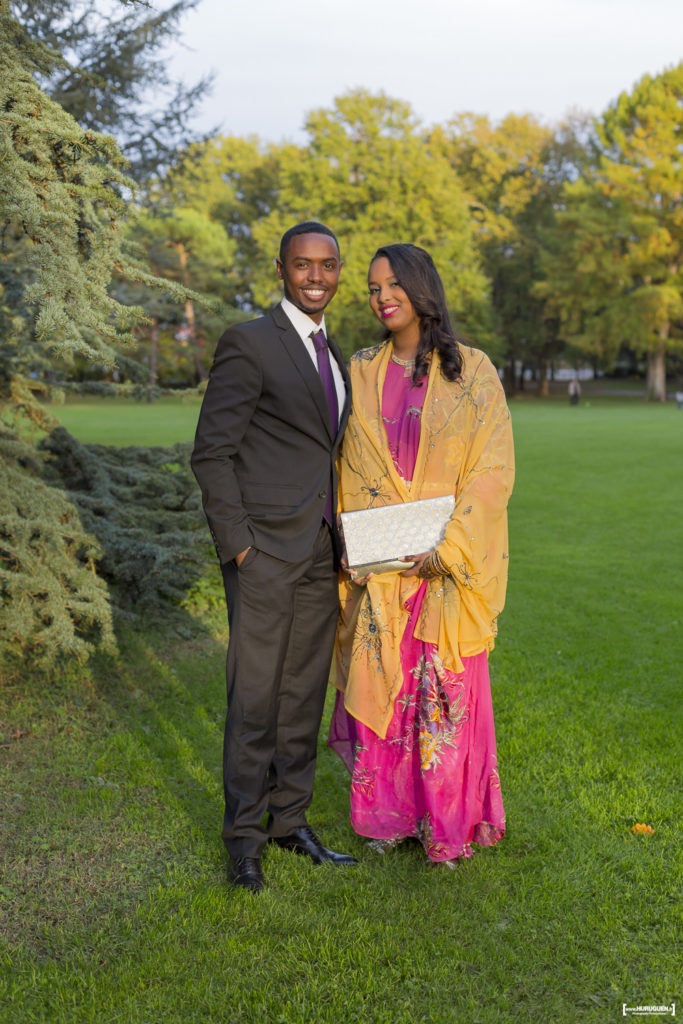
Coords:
pixel 435 774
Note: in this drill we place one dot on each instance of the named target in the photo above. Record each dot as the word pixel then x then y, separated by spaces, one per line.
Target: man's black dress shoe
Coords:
pixel 247 874
pixel 304 840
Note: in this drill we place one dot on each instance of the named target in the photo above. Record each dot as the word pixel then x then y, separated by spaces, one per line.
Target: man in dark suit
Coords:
pixel 274 413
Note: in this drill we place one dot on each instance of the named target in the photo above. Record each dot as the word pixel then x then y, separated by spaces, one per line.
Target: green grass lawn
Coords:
pixel 115 906
pixel 124 421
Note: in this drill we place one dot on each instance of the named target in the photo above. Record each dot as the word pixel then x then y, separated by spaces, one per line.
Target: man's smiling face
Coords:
pixel 310 273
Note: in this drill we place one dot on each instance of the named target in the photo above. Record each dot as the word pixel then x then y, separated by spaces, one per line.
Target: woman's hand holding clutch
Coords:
pixel 418 560
pixel 428 566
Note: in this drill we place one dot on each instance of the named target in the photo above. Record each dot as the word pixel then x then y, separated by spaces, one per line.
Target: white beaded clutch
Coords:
pixel 376 538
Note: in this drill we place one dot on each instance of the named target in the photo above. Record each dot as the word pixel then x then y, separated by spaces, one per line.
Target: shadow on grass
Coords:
pixel 114 890
pixel 111 786
pixel 110 782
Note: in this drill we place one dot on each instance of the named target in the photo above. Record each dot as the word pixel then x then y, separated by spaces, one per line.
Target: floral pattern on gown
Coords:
pixel 435 774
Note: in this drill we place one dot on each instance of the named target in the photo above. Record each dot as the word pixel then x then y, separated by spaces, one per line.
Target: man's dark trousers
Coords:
pixel 282 618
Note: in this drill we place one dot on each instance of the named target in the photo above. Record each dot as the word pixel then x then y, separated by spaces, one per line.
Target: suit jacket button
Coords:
pixel 323 494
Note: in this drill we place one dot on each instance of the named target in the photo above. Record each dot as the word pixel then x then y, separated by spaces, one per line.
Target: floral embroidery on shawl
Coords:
pixel 465 449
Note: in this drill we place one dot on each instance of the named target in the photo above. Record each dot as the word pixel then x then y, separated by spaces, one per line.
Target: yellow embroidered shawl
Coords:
pixel 466 449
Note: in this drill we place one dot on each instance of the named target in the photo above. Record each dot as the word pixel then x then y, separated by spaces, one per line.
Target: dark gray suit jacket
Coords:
pixel 264 452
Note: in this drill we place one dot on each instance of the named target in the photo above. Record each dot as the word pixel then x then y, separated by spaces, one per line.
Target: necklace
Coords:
pixel 407 364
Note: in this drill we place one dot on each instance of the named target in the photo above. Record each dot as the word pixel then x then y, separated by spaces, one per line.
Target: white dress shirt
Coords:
pixel 303 325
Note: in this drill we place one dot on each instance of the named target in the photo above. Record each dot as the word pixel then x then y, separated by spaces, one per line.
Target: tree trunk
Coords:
pixel 189 314
pixel 509 383
pixel 543 389
pixel 656 369
pixel 153 348
pixel 194 342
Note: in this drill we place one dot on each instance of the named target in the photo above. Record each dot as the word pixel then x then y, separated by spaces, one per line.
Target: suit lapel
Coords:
pixel 297 352
pixel 336 352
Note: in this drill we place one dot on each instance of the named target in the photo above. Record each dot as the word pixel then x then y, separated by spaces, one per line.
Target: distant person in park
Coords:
pixel 679 400
pixel 414 719
pixel 574 390
pixel 275 409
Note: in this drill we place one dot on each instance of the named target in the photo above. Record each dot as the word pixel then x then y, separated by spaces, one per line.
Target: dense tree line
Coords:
pixel 555 242
pixel 127 245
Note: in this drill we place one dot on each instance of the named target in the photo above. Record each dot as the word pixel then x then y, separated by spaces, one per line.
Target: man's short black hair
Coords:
pixel 307 227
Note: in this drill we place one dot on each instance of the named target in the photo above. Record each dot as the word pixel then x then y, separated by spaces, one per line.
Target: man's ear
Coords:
pixel 278 267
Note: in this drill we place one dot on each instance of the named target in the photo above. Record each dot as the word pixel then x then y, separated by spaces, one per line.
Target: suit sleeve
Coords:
pixel 231 396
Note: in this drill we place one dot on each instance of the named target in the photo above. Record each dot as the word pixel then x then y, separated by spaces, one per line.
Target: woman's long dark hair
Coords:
pixel 415 272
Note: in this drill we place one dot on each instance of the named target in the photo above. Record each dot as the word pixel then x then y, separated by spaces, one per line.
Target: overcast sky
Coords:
pixel 276 60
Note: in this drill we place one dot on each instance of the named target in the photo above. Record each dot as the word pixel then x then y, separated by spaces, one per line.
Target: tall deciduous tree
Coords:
pixel 185 245
pixel 367 172
pixel 514 173
pixel 614 271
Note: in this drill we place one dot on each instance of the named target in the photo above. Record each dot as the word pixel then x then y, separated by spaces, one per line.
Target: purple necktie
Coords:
pixel 325 370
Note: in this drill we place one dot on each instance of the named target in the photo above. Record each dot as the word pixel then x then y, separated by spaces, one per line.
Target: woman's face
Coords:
pixel 388 301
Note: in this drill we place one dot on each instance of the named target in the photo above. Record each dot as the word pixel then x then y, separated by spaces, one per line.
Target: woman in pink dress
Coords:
pixel 414 719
